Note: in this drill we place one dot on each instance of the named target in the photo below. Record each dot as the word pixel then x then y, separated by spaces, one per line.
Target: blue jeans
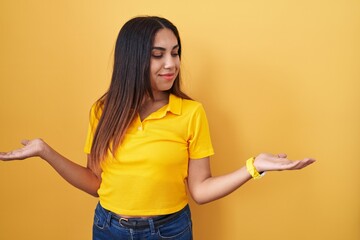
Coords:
pixel 107 226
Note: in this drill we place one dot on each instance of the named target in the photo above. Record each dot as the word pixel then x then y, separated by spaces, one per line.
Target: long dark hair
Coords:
pixel 130 83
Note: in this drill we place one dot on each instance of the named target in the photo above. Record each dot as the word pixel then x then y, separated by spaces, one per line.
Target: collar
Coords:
pixel 175 104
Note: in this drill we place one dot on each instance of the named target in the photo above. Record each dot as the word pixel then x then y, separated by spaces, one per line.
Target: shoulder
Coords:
pixel 181 106
pixel 193 108
pixel 96 110
pixel 184 102
pixel 191 104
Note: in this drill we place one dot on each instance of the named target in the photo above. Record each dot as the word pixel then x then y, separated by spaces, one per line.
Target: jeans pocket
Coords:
pixel 179 229
pixel 177 234
pixel 99 219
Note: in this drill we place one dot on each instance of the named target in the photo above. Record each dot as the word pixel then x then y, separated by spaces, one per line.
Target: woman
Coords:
pixel 147 141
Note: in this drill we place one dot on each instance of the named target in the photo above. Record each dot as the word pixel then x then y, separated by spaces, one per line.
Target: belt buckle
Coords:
pixel 123 219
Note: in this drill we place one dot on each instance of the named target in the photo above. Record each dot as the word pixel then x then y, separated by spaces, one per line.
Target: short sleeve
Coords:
pixel 200 145
pixel 93 122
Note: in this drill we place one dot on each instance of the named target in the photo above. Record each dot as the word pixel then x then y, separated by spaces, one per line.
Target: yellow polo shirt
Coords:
pixel 146 175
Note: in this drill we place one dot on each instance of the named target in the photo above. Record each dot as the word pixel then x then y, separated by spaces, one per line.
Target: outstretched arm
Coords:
pixel 205 188
pixel 80 177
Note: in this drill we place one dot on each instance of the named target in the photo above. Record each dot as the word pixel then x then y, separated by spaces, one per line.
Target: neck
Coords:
pixel 149 105
pixel 158 97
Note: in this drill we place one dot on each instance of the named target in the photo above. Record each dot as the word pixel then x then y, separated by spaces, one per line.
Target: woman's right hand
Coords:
pixel 81 177
pixel 32 148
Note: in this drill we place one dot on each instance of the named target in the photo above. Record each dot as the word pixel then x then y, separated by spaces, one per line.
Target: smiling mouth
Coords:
pixel 167 76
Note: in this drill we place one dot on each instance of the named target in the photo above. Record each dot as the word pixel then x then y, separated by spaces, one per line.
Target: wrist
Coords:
pixel 252 170
pixel 257 167
pixel 44 149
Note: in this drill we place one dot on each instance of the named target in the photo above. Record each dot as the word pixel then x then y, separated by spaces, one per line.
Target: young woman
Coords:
pixel 147 141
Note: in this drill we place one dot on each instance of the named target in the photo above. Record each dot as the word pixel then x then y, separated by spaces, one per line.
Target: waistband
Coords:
pixel 143 223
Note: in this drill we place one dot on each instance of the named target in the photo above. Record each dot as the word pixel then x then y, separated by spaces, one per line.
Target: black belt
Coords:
pixel 138 223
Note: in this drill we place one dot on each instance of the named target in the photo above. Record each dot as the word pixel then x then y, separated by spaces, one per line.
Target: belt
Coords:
pixel 138 223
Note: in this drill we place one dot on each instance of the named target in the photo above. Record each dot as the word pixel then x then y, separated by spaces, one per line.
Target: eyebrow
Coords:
pixel 163 49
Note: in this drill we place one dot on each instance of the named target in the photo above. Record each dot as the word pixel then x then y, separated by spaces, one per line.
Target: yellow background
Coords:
pixel 274 76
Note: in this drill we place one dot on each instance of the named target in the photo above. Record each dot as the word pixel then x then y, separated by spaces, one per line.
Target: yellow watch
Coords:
pixel 252 170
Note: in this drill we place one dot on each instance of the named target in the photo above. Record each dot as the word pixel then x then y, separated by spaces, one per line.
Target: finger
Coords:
pixel 290 165
pixel 6 155
pixel 15 154
pixel 281 155
pixel 306 162
pixel 302 163
pixel 25 142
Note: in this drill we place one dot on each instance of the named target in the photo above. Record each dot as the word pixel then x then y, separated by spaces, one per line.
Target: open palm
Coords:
pixel 279 162
pixel 32 148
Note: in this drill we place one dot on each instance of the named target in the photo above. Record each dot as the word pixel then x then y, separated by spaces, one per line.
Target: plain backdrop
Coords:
pixel 274 76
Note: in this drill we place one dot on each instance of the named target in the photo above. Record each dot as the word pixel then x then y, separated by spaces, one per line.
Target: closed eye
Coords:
pixel 157 55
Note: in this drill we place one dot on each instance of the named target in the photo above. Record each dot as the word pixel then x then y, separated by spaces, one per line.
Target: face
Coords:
pixel 165 61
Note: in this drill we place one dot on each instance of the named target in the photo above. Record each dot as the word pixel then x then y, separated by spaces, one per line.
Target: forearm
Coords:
pixel 213 188
pixel 205 188
pixel 80 177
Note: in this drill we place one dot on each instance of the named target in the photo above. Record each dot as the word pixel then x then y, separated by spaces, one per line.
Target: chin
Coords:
pixel 165 87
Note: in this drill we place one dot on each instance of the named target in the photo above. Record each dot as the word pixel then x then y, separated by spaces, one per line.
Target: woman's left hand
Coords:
pixel 279 162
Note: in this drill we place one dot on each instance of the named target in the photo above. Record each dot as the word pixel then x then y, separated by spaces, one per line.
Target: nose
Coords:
pixel 170 62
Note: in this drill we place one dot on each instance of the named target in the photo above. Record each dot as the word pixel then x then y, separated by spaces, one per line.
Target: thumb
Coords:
pixel 25 142
pixel 282 155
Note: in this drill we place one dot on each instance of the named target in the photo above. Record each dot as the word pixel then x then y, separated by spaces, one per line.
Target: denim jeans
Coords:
pixel 107 226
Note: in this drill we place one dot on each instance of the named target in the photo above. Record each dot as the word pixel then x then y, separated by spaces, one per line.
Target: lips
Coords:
pixel 167 76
